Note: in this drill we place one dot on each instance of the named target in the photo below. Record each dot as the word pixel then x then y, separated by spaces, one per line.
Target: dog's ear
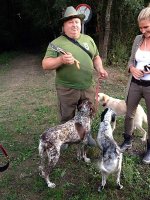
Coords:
pixel 100 96
pixel 113 117
pixel 92 110
pixel 105 98
pixel 103 114
pixel 79 105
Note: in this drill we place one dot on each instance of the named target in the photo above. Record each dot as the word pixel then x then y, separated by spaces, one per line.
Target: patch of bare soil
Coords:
pixel 27 70
pixel 24 68
pixel 24 77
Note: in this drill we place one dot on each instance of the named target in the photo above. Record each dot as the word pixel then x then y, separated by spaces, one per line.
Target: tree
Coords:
pixel 107 29
pixel 34 23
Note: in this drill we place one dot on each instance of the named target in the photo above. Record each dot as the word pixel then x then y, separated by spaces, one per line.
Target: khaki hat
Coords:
pixel 70 13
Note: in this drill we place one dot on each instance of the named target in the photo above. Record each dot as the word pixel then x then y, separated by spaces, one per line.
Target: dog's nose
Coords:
pixel 104 104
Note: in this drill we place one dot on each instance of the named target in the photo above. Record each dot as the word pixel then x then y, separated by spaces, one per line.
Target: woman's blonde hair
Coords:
pixel 144 14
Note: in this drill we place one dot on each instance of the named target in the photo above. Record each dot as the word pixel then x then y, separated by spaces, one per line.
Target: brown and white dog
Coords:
pixel 119 107
pixel 73 131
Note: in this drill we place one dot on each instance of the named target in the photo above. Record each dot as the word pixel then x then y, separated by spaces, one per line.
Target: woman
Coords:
pixel 139 83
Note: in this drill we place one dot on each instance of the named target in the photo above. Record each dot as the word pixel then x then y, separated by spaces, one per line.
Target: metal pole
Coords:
pixel 83 27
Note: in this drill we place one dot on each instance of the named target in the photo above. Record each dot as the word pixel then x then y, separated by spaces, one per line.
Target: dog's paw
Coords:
pixel 100 188
pixel 87 160
pixel 51 185
pixel 143 139
pixel 119 186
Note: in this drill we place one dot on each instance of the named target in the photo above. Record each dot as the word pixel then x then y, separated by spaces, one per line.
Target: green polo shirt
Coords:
pixel 69 75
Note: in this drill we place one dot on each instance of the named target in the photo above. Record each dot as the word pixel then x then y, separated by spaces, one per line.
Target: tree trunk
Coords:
pixel 107 30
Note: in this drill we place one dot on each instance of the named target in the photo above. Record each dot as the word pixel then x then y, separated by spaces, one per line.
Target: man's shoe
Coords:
pixel 146 159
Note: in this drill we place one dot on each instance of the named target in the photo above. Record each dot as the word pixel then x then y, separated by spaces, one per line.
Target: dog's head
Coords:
pixel 108 115
pixel 103 99
pixel 86 107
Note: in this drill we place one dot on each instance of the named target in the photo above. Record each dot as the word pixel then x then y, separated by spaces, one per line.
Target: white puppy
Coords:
pixel 119 107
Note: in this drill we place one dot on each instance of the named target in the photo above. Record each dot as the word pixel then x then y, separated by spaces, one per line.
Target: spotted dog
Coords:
pixel 111 160
pixel 73 131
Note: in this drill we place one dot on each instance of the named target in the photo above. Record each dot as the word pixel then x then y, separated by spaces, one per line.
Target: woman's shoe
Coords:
pixel 127 143
pixel 146 159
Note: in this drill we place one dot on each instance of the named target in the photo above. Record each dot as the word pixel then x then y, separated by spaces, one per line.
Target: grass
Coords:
pixel 28 106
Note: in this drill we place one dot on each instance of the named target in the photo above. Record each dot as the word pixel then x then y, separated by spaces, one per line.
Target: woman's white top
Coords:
pixel 142 59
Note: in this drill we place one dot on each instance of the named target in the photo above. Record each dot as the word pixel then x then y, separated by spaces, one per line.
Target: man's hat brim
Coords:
pixel 80 16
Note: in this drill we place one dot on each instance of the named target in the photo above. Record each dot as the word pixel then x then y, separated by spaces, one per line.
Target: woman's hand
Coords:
pixel 136 73
pixel 146 72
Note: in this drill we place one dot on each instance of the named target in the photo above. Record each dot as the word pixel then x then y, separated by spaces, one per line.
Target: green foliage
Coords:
pixel 5 57
pixel 124 17
pixel 35 23
pixel 118 56
pixel 134 5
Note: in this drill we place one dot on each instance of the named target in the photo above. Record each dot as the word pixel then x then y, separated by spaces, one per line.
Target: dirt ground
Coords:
pixel 24 68
pixel 25 74
pixel 27 69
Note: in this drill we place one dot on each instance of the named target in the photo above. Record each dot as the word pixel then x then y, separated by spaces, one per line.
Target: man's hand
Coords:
pixel 67 58
pixel 103 74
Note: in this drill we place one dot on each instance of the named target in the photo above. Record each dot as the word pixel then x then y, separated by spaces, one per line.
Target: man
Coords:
pixel 74 81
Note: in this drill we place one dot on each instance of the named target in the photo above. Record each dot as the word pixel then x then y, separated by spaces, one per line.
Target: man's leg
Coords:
pixel 89 94
pixel 67 100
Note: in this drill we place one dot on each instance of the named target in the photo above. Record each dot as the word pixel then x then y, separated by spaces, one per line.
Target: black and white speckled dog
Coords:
pixel 73 131
pixel 111 161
